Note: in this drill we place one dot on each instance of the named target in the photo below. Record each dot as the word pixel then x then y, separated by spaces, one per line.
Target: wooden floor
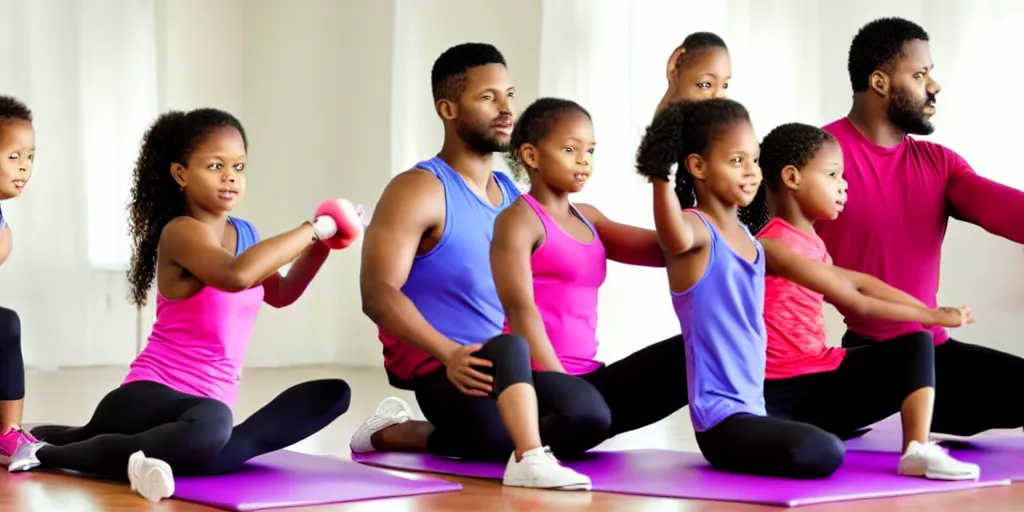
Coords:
pixel 69 396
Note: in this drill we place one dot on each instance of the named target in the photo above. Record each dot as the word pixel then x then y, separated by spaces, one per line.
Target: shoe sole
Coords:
pixel 568 487
pixel 931 475
pixel 946 476
pixel 384 409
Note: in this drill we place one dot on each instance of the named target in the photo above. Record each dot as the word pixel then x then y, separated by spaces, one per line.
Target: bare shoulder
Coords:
pixel 184 227
pixel 412 194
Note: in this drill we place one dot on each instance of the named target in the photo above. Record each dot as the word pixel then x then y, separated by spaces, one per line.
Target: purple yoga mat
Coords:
pixel 291 479
pixel 674 474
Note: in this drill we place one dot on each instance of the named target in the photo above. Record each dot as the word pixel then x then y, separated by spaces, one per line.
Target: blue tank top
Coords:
pixel 722 322
pixel 451 285
pixel 2 221
pixel 247 234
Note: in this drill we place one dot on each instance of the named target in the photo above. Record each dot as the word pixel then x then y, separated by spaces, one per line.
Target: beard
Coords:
pixel 478 138
pixel 908 114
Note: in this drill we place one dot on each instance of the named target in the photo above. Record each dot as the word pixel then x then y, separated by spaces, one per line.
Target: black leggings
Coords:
pixel 192 434
pixel 12 366
pixel 759 445
pixel 868 386
pixel 644 387
pixel 573 415
pixel 974 387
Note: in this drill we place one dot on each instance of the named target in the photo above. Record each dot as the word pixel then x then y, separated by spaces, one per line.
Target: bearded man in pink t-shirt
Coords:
pixel 902 192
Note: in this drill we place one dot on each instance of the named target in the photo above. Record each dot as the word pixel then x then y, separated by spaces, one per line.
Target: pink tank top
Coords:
pixel 567 274
pixel 795 316
pixel 198 344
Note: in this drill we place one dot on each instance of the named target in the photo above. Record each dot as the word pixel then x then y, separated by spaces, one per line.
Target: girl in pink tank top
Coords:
pixel 838 390
pixel 549 259
pixel 17 154
pixel 172 414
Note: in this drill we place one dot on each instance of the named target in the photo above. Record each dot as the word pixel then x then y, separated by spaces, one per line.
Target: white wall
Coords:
pixel 318 115
pixel 424 29
pixel 72 313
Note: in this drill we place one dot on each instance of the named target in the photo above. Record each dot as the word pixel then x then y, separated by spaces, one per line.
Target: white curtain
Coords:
pixel 88 72
pixel 789 64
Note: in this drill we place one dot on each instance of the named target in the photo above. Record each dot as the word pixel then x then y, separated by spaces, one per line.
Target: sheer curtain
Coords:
pixel 789 64
pixel 88 72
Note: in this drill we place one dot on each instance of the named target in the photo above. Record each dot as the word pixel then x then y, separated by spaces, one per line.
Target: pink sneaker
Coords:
pixel 10 441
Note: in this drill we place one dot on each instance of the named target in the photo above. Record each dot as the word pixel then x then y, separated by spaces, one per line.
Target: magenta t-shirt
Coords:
pixel 900 201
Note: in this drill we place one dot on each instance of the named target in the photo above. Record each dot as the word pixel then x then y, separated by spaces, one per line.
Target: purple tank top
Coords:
pixel 451 285
pixel 722 322
pixel 567 274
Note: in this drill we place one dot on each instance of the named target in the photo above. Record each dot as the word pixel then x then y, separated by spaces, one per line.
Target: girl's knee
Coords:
pixel 818 454
pixel 338 395
pixel 507 347
pixel 589 412
pixel 510 356
pixel 920 361
pixel 210 427
pixel 589 427
pixel 10 329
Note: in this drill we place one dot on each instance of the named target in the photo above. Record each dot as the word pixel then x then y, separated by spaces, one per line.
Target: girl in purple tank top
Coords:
pixel 550 259
pixel 17 153
pixel 173 413
pixel 716 275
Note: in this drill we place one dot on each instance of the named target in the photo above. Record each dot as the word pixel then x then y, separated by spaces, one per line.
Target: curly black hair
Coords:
pixel 788 144
pixel 13 109
pixel 533 125
pixel 697 44
pixel 156 197
pixel 448 75
pixel 878 45
pixel 684 129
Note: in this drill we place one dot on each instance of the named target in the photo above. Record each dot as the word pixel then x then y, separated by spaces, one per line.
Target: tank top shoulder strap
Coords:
pixel 247 234
pixel 584 218
pixel 541 212
pixel 707 223
pixel 438 168
pixel 509 190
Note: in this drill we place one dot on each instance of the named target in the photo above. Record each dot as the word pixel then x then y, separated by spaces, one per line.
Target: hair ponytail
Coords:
pixel 681 130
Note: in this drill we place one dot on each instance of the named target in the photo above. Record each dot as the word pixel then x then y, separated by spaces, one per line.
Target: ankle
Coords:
pixel 520 453
pixel 377 439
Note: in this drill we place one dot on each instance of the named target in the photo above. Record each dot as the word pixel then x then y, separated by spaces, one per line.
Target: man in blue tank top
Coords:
pixel 426 282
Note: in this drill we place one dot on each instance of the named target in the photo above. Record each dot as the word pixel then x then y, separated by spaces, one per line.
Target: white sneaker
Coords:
pixel 391 411
pixel 932 461
pixel 24 457
pixel 540 469
pixel 151 478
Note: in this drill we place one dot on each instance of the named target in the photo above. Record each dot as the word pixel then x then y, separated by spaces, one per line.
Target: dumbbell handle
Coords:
pixel 324 227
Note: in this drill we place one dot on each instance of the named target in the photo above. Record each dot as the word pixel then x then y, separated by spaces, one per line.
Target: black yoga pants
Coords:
pixel 644 387
pixel 974 386
pixel 868 386
pixel 12 366
pixel 573 415
pixel 193 434
pixel 760 445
